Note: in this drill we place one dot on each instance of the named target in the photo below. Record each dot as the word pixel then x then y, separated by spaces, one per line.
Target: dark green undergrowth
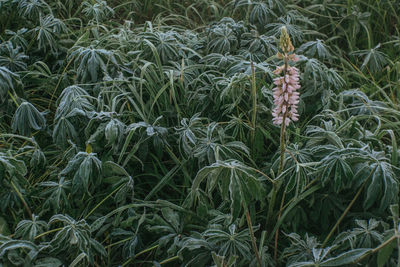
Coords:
pixel 139 133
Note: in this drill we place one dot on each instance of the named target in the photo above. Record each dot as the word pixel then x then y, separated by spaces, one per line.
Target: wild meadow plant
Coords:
pixel 199 133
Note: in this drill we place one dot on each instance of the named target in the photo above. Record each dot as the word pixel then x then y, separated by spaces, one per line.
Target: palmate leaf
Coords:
pixel 223 37
pixel 300 249
pixel 73 97
pixel 166 45
pixel 16 246
pixel 382 183
pixel 7 80
pixel 11 166
pixel 12 180
pixel 237 183
pixel 321 258
pixel 27 118
pixel 336 165
pixel 222 61
pixel 220 261
pixel 188 133
pixel 261 45
pixel 65 129
pixel 29 229
pixel 171 226
pixel 56 193
pixel 315 73
pixel 114 131
pixel 48 262
pixel 290 21
pixel 103 125
pixel 299 168
pixel 12 58
pixel 17 38
pixel 90 61
pixel 97 10
pixel 374 59
pixel 315 48
pixel 212 146
pixel 47 31
pixel 32 8
pixel 229 241
pixel 366 234
pixel 74 236
pixel 85 169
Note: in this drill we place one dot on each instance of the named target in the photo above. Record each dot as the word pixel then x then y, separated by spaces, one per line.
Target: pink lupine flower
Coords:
pixel 286 96
pixel 285 93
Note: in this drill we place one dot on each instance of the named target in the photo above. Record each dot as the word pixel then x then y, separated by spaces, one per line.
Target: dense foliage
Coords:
pixel 140 133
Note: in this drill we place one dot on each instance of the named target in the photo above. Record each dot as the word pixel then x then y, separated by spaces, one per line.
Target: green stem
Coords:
pixel 344 214
pixel 119 242
pixel 282 144
pixel 59 81
pixel 384 244
pixel 277 230
pixel 139 254
pixel 275 188
pixel 48 232
pixel 282 162
pixel 13 99
pixel 169 260
pixel 254 97
pixel 253 238
pixel 22 199
pixel 102 201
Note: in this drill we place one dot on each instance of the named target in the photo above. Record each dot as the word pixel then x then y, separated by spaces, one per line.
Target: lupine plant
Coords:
pixel 199 133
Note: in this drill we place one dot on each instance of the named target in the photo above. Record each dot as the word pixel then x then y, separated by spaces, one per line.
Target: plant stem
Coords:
pixel 344 214
pixel 277 230
pixel 254 97
pixel 102 201
pixel 384 244
pixel 48 232
pixel 282 145
pixel 169 260
pixel 140 253
pixel 13 99
pixel 59 81
pixel 22 199
pixel 281 164
pixel 253 238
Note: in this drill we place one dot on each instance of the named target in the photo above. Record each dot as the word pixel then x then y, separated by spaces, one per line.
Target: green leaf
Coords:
pixel 346 257
pixel 78 259
pixel 4 230
pixel 27 118
pixel 48 262
pixel 385 253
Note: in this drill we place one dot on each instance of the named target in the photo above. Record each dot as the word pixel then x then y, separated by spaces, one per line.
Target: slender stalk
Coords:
pixel 13 98
pixel 169 260
pixel 22 199
pixel 119 242
pixel 254 97
pixel 48 232
pixel 253 238
pixel 282 145
pixel 139 254
pixel 59 81
pixel 344 213
pixel 102 201
pixel 277 230
pixel 384 244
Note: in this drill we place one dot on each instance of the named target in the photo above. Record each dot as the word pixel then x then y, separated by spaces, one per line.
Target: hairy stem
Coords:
pixel 254 97
pixel 22 199
pixel 344 213
pixel 253 238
